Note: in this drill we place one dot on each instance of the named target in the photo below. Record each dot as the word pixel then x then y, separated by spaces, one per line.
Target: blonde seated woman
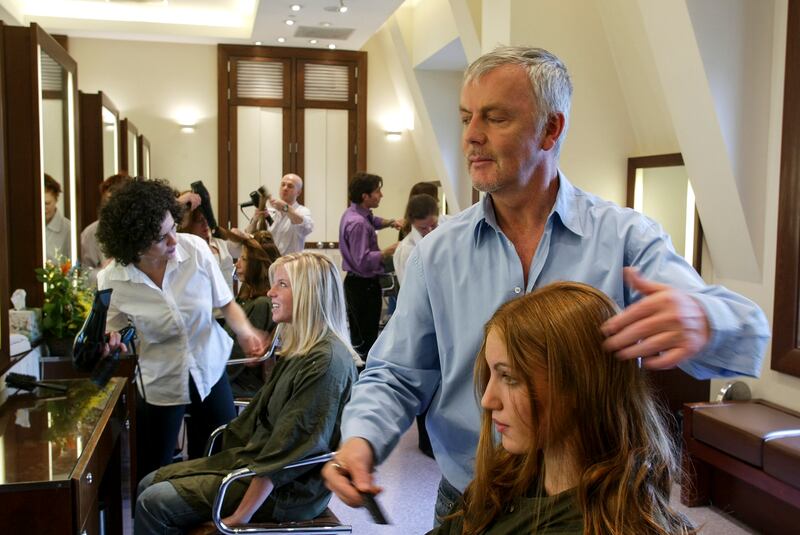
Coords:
pixel 583 449
pixel 295 415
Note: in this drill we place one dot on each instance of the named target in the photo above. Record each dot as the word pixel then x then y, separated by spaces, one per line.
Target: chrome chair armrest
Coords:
pixel 212 438
pixel 216 512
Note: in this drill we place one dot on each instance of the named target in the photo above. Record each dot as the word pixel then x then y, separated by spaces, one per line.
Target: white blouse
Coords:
pixel 177 335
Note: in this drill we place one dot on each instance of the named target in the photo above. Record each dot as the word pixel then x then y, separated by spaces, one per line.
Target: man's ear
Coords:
pixel 553 129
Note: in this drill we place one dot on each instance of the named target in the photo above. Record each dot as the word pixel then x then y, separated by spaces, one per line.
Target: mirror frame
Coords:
pixel 665 160
pixel 143 143
pixel 23 151
pixel 786 312
pixel 126 127
pixel 92 168
pixel 5 294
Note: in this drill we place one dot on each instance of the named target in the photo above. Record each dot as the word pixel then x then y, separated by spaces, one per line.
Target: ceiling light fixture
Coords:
pixel 342 7
pixel 332 46
pixel 313 41
pixel 258 43
pixel 296 7
pixel 281 39
pixel 326 24
pixel 289 22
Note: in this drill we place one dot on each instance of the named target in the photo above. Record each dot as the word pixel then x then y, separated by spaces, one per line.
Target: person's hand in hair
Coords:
pixel 190 199
pixel 239 232
pixel 279 204
pixel 666 326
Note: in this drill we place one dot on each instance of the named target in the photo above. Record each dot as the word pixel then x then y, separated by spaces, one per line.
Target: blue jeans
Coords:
pixel 447 499
pixel 160 510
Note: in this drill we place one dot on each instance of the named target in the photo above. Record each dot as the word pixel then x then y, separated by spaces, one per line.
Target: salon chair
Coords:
pixel 327 522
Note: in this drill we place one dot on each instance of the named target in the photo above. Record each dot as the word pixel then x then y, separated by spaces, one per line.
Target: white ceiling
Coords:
pixel 207 21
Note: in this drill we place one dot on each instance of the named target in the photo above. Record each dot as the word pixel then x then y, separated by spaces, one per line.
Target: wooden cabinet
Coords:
pixel 61 459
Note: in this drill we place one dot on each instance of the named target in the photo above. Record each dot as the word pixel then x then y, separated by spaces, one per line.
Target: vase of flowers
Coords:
pixel 67 302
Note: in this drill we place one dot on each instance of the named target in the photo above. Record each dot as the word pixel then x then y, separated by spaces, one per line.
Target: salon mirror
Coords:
pixel 110 141
pixel 144 156
pixel 659 187
pixel 129 148
pixel 58 162
pixel 100 152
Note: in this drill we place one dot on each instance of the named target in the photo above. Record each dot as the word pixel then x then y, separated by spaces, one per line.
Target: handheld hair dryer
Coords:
pixel 205 204
pixel 87 352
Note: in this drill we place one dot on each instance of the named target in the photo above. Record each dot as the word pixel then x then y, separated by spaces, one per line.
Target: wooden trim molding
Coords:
pixel 293 109
pixel 665 160
pixel 785 343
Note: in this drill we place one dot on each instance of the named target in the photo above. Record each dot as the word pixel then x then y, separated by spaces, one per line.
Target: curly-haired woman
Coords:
pixel 167 284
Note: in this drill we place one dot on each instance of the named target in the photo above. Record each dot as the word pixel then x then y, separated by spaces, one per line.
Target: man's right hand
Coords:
pixel 350 472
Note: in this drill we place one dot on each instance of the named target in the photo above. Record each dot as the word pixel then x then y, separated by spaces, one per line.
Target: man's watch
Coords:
pixel 285 207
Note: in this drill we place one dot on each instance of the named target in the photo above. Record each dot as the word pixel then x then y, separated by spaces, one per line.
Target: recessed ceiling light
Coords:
pixel 313 41
pixel 296 7
pixel 258 43
pixel 281 39
pixel 331 46
pixel 326 24
pixel 289 22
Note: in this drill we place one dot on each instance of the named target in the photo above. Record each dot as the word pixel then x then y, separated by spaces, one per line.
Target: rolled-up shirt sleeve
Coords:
pixel 739 330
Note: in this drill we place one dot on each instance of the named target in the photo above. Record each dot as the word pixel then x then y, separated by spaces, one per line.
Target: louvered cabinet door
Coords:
pixel 326 100
pixel 287 110
pixel 260 154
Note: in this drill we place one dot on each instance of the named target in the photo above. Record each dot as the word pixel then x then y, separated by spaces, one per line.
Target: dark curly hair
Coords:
pixel 361 184
pixel 130 222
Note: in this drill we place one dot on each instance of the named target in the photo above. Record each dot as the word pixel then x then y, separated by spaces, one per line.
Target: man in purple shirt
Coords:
pixel 362 259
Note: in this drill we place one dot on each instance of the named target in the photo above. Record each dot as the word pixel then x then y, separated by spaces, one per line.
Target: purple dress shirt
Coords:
pixel 358 242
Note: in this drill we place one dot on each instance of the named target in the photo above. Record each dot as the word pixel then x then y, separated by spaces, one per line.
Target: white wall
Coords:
pixel 600 137
pixel 151 83
pixel 396 161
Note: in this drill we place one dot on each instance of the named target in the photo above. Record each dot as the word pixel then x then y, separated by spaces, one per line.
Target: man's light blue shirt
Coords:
pixel 462 272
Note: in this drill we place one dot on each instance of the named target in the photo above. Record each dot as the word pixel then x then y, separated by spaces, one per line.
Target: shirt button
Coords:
pixel 517 290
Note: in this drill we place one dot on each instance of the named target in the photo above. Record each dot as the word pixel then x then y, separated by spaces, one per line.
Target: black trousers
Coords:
pixel 363 297
pixel 158 426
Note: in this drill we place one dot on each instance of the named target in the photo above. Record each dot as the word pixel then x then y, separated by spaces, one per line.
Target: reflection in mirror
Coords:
pixel 133 156
pixel 110 143
pixel 58 167
pixel 659 187
pixel 144 153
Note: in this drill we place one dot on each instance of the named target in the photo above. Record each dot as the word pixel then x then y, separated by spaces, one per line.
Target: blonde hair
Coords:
pixel 600 407
pixel 318 305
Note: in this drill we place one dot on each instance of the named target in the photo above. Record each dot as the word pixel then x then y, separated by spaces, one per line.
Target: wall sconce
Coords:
pixel 187 119
pixel 393 135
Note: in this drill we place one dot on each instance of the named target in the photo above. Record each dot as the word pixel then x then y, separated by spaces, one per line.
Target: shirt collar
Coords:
pixel 57 223
pixel 366 212
pixel 568 206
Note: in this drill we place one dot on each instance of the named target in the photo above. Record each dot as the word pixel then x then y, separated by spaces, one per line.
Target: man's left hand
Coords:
pixel 667 326
pixel 279 204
